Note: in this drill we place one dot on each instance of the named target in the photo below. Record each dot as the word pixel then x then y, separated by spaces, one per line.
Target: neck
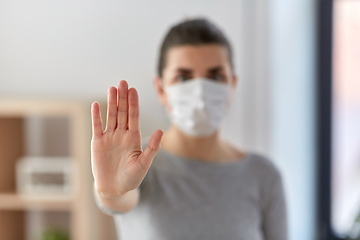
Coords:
pixel 205 148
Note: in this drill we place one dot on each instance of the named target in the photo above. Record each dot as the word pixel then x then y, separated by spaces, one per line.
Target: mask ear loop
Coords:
pixel 230 99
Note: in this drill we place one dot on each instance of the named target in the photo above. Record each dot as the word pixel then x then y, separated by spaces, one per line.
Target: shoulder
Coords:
pixel 264 165
pixel 266 173
pixel 268 176
pixel 272 201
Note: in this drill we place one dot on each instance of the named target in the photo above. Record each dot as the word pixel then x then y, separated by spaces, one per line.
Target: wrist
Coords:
pixel 108 194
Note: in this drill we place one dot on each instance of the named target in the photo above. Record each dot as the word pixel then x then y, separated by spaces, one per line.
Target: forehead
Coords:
pixel 196 56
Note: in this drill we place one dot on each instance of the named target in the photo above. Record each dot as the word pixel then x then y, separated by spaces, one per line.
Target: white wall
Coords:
pixel 77 49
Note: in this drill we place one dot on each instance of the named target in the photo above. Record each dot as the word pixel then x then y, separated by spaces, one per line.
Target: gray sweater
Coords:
pixel 189 199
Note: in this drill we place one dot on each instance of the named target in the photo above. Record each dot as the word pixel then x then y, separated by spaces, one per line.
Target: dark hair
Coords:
pixel 192 32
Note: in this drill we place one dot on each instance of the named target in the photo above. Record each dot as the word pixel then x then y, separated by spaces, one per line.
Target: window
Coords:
pixel 339 118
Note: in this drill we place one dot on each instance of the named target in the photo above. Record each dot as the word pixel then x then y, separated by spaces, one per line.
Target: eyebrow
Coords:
pixel 215 69
pixel 211 70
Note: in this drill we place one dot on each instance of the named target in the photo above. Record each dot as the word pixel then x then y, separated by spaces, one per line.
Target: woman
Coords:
pixel 188 183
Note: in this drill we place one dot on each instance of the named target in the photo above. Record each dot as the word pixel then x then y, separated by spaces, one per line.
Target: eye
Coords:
pixel 182 78
pixel 218 77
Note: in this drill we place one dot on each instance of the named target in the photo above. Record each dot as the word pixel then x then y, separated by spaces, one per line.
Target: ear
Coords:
pixel 234 81
pixel 157 81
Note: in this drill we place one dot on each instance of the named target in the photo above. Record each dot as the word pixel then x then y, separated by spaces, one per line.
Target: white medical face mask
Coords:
pixel 198 105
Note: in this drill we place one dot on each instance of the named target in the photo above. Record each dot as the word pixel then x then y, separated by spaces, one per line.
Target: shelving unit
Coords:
pixel 12 201
pixel 85 220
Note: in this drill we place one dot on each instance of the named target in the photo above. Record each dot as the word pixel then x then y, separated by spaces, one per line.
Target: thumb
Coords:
pixel 152 148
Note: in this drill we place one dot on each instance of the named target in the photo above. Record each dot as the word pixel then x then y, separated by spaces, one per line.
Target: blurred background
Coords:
pixel 76 50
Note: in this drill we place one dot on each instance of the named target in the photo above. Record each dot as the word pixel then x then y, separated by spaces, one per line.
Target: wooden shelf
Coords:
pixel 86 221
pixel 49 107
pixel 13 201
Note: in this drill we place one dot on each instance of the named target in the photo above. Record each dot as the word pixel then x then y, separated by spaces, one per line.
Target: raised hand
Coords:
pixel 118 162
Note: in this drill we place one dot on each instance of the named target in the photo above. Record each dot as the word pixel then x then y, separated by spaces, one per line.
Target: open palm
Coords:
pixel 118 162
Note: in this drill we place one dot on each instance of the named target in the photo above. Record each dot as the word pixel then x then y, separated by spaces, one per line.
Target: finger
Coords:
pixel 151 149
pixel 123 105
pixel 134 111
pixel 111 109
pixel 97 128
